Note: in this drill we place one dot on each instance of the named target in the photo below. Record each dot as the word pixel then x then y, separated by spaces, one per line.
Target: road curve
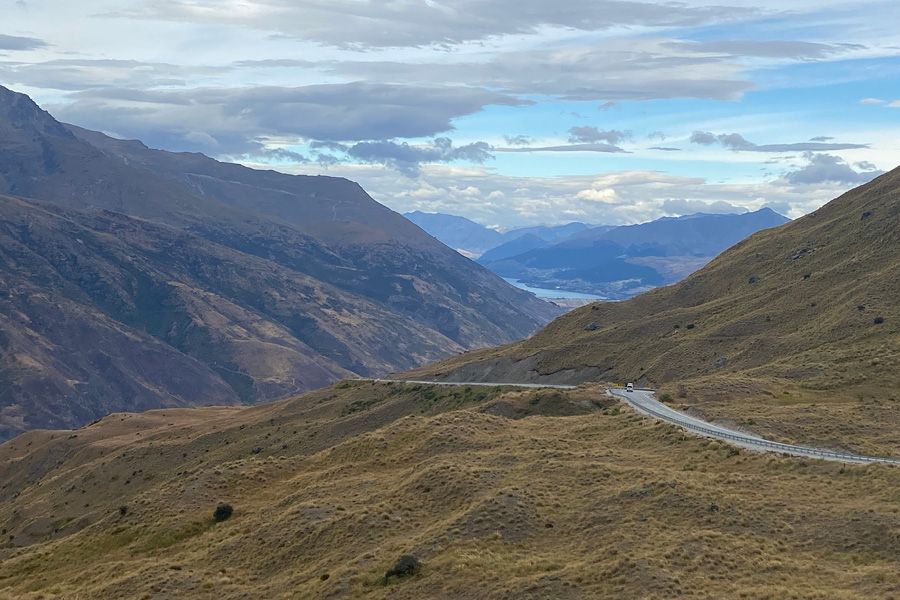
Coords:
pixel 643 401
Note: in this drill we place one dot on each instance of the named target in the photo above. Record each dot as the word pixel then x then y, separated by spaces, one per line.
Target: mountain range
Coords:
pixel 473 240
pixel 619 262
pixel 809 305
pixel 502 492
pixel 133 278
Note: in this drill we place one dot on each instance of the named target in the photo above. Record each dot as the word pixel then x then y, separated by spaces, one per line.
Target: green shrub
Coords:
pixel 222 513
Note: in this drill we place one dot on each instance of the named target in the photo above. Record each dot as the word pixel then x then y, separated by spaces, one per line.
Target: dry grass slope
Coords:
pixel 805 314
pixel 500 494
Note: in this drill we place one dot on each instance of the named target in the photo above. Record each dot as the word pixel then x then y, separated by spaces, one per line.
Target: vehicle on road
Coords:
pixel 629 387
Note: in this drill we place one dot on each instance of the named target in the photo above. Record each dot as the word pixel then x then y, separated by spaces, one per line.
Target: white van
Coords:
pixel 629 387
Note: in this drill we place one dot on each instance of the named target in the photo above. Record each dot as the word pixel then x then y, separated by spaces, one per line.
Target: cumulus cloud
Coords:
pixel 827 168
pixel 587 134
pixel 16 43
pixel 242 120
pixel 408 158
pixel 737 142
pixel 616 198
pixel 684 206
pixel 373 23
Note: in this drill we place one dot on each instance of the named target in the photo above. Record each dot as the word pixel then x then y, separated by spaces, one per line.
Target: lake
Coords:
pixel 550 294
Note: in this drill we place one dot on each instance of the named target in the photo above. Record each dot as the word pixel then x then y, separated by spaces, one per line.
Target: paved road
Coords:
pixel 644 402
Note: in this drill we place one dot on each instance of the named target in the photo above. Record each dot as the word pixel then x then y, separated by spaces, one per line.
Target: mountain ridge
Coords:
pixel 263 284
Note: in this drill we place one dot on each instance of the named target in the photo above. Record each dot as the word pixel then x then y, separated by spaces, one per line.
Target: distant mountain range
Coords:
pixel 473 239
pixel 133 278
pixel 619 262
pixel 812 303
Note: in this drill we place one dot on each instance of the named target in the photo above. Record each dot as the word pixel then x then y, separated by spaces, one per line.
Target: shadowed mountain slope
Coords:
pixel 261 284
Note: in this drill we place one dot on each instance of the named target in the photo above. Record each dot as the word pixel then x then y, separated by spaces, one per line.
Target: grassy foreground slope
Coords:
pixel 578 500
pixel 804 314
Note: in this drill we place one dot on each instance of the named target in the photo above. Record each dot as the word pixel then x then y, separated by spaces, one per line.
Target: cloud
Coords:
pixel 376 24
pixel 619 69
pixel 827 168
pixel 737 142
pixel 518 140
pixel 683 206
pixel 599 147
pixel 587 134
pixel 84 74
pixel 872 102
pixel 243 120
pixel 821 138
pixel 408 158
pixel 665 148
pixel 16 43
pixel 766 48
pixel 635 196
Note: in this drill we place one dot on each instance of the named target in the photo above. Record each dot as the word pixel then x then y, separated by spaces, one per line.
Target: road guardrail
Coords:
pixel 777 446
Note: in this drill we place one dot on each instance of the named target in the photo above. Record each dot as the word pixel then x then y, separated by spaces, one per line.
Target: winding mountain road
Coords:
pixel 644 402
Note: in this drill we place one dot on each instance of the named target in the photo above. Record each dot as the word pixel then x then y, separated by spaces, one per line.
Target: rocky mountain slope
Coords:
pixel 811 303
pixel 581 499
pixel 134 278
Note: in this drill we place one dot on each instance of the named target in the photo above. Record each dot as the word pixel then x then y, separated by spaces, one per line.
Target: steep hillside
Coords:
pixel 810 306
pixel 261 284
pixel 619 262
pixel 578 500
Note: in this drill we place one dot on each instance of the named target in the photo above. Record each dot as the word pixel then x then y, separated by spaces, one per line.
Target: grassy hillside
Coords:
pixel 803 315
pixel 580 499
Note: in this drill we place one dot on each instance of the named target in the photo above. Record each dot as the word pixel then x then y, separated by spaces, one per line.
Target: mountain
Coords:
pixel 803 309
pixel 581 499
pixel 459 233
pixel 474 240
pixel 549 233
pixel 133 278
pixel 702 235
pixel 619 262
pixel 532 238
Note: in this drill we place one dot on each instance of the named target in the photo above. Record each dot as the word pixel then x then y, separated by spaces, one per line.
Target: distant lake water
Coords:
pixel 549 294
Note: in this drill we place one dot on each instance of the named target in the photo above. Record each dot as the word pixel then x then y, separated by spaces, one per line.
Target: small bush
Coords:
pixel 406 566
pixel 222 513
pixel 690 326
pixel 123 510
pixel 665 398
pixel 878 320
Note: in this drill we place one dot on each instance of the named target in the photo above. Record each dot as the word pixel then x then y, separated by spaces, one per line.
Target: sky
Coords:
pixel 508 112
